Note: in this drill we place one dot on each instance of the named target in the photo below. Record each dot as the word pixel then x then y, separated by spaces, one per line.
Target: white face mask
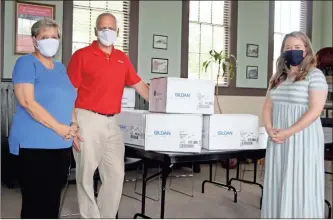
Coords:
pixel 107 37
pixel 48 47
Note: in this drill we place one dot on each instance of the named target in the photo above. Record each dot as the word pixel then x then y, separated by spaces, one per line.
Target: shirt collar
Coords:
pixel 94 45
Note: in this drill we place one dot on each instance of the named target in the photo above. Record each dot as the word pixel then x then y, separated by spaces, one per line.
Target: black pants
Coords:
pixel 43 174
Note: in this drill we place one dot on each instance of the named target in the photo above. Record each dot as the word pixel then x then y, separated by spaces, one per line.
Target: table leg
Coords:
pixel 329 208
pixel 217 183
pixel 254 182
pixel 227 171
pixel 165 173
pixel 143 196
pixel 145 179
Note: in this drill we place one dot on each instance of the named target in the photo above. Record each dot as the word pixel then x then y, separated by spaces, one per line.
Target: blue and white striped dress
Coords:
pixel 294 175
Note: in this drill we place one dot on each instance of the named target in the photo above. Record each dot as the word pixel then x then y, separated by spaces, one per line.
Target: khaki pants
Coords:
pixel 102 148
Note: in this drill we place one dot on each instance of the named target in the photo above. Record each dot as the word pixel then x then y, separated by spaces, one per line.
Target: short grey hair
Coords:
pixel 44 23
pixel 105 14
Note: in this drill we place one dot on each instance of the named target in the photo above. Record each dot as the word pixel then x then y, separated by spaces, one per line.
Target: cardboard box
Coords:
pixel 178 95
pixel 162 132
pixel 263 138
pixel 230 132
pixel 132 123
pixel 128 100
pixel 173 132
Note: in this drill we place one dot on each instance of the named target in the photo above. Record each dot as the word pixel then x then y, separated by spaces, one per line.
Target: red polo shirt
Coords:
pixel 100 78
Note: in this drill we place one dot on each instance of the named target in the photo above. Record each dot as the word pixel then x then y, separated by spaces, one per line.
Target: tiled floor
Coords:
pixel 216 202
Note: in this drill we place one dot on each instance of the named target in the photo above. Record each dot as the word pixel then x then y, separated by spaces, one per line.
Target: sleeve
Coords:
pixel 24 71
pixel 74 69
pixel 317 80
pixel 132 77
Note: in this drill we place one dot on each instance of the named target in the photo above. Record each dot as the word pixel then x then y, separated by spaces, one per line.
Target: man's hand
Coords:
pixel 142 89
pixel 76 140
pixel 75 134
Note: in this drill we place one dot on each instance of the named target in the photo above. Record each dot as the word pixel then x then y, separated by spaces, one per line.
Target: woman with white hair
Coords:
pixel 43 125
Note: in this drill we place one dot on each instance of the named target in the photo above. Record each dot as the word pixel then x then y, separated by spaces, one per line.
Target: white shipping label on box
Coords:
pixel 128 100
pixel 230 131
pixel 132 124
pixel 173 132
pixel 263 138
pixel 178 95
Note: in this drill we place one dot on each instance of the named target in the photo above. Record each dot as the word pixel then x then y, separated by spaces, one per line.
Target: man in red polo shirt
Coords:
pixel 100 72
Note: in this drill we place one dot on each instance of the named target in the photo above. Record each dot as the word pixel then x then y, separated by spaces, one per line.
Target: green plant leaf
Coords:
pixel 231 71
pixel 205 65
pixel 217 57
pixel 221 58
pixel 223 67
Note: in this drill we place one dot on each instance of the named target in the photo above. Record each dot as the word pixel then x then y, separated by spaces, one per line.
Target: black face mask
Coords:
pixel 293 57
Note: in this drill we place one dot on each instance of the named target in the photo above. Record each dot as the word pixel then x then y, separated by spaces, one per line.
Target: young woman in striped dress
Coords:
pixel 294 176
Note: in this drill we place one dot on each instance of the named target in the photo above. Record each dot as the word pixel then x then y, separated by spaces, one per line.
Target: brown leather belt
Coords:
pixel 107 115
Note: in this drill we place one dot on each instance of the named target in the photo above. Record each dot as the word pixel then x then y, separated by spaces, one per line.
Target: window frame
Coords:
pixel 92 11
pixel 226 44
pixel 309 11
pixel 231 89
pixel 67 37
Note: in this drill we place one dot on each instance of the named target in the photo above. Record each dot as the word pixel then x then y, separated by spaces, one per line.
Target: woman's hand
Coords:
pixel 74 128
pixel 65 131
pixel 271 131
pixel 281 135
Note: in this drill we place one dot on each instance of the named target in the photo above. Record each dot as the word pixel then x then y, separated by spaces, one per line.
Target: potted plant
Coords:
pixel 226 64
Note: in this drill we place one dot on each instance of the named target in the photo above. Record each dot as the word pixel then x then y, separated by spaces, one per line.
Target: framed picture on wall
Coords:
pixel 330 113
pixel 252 50
pixel 159 65
pixel 323 114
pixel 252 72
pixel 160 42
pixel 26 14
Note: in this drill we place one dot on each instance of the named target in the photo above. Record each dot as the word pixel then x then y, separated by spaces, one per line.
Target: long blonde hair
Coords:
pixel 282 69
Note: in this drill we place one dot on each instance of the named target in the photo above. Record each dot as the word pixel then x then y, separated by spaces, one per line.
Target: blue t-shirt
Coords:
pixel 54 92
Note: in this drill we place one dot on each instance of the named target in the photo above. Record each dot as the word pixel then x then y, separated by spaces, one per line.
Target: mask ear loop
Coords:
pixel 96 32
pixel 35 43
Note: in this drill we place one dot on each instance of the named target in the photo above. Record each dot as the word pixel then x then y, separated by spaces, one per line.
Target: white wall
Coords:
pixel 9 39
pixel 163 18
pixel 328 24
pixel 252 28
pixel 322 24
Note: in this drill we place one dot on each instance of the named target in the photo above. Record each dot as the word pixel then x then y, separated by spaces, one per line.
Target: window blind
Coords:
pixel 84 22
pixel 209 28
pixel 303 16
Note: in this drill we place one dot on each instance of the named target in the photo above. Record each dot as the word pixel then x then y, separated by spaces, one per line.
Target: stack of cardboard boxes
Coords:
pixel 181 119
pixel 128 100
